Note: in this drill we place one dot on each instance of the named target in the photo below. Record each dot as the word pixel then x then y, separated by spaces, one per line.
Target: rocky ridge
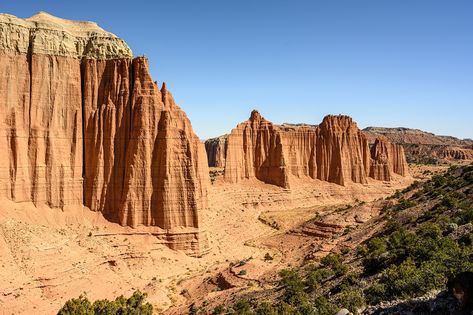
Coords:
pixel 84 124
pixel 335 151
pixel 424 147
pixel 49 35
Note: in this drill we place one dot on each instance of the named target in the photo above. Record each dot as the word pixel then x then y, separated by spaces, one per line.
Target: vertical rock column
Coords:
pixel 342 151
pixel 255 150
pixel 387 159
pixel 55 140
pixel 336 151
pixel 107 109
pixel 138 205
pixel 166 174
pixel 15 181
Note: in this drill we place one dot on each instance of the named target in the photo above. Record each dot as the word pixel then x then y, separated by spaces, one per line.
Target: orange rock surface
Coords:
pixel 255 150
pixel 82 123
pixel 455 153
pixel 424 147
pixel 335 151
pixel 388 158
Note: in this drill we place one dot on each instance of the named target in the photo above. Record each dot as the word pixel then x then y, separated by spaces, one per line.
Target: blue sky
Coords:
pixel 385 63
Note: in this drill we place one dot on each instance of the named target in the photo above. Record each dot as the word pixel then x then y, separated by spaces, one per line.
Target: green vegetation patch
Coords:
pixel 134 305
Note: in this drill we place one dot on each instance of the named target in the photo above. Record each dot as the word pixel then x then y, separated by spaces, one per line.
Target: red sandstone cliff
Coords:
pixel 255 149
pixel 335 151
pixel 388 158
pixel 82 123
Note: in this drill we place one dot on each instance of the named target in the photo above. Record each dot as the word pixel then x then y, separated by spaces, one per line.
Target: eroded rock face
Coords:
pixel 424 147
pixel 82 123
pixel 455 153
pixel 342 151
pixel 255 150
pixel 335 151
pixel 216 149
pixel 388 158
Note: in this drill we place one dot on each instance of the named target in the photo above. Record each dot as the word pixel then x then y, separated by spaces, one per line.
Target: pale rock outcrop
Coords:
pixel 82 123
pixel 49 35
pixel 335 151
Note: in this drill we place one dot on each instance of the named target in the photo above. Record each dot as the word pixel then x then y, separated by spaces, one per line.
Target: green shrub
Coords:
pixel 219 309
pixel 266 308
pixel 81 306
pixel 334 261
pixel 351 299
pixel 449 201
pixel 121 305
pixel 324 307
pixel 315 278
pixel 466 240
pixel 438 181
pixel 242 307
pixel 465 216
pixel 407 280
pixel 375 293
pixel 468 177
pixel 293 287
pixel 287 309
pixel 268 257
pixel 352 279
pixel 404 204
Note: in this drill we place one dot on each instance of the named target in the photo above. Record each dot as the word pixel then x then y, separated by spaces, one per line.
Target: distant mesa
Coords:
pixel 424 147
pixel 335 151
pixel 83 123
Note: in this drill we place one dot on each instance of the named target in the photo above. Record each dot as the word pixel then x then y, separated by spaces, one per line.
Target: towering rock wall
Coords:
pixel 335 151
pixel 255 149
pixel 388 158
pixel 342 151
pixel 40 112
pixel 299 150
pixel 82 123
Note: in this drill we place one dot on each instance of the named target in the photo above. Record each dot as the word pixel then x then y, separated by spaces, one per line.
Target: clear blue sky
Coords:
pixel 384 62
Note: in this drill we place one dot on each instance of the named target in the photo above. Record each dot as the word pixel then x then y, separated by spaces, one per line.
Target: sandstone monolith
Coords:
pixel 83 123
pixel 335 151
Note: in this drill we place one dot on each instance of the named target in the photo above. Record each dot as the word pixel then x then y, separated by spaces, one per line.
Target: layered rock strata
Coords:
pixel 83 123
pixel 387 159
pixel 255 150
pixel 424 147
pixel 335 151
pixel 455 153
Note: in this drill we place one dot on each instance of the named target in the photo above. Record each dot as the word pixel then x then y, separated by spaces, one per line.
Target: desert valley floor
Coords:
pixel 105 188
pixel 50 255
